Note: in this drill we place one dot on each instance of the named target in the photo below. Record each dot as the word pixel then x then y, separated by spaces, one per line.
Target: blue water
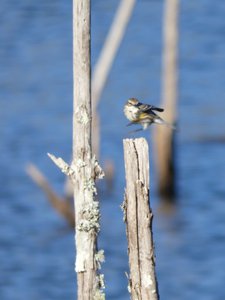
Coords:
pixel 36 246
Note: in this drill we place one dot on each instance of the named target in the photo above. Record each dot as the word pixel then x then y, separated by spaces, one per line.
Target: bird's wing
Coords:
pixel 157 108
pixel 148 107
pixel 146 115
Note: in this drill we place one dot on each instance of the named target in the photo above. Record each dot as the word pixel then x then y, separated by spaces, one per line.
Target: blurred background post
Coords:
pixel 105 61
pixel 165 146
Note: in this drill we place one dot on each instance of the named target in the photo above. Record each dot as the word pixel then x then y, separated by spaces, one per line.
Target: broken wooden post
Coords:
pixel 138 219
pixel 163 136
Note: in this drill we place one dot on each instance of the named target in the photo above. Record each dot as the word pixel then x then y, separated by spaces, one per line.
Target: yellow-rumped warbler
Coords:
pixel 143 114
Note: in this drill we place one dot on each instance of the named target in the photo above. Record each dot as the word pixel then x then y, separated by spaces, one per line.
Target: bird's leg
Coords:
pixel 129 124
pixel 140 129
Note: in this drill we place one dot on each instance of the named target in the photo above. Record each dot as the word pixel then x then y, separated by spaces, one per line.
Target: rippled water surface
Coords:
pixel 36 246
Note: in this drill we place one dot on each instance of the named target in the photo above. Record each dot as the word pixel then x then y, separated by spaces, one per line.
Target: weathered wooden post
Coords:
pixel 84 168
pixel 163 136
pixel 138 219
pixel 86 206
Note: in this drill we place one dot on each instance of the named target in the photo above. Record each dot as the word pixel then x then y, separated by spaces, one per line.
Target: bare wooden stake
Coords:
pixel 138 218
pixel 163 136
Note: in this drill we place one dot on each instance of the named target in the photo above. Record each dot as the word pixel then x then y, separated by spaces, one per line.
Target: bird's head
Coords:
pixel 132 101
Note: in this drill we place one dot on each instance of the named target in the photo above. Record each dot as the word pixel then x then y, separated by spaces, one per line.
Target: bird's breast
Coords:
pixel 131 113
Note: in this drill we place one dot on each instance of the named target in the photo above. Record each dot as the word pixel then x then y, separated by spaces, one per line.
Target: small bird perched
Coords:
pixel 143 114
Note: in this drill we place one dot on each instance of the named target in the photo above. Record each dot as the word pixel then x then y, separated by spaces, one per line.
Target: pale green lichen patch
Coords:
pixel 82 115
pixel 99 258
pixel 99 173
pixel 80 164
pixel 101 281
pixel 89 185
pixel 90 219
pixel 99 293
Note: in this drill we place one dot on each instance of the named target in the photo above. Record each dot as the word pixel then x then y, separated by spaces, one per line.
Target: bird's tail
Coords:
pixel 162 122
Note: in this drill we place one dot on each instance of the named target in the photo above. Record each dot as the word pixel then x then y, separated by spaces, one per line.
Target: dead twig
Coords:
pixel 61 205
